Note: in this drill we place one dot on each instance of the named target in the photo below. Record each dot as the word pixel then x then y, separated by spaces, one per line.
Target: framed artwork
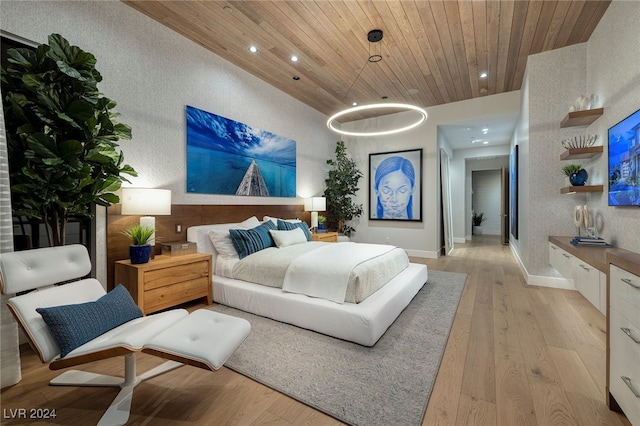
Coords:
pixel 513 189
pixel 231 158
pixel 395 185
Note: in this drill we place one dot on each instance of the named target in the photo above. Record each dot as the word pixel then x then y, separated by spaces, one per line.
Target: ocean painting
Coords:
pixel 230 158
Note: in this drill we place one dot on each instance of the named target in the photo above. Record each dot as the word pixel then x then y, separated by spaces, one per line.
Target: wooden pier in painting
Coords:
pixel 253 182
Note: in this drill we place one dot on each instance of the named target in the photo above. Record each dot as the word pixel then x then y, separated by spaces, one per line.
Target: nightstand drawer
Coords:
pixel 174 294
pixel 175 274
pixel 327 237
pixel 166 281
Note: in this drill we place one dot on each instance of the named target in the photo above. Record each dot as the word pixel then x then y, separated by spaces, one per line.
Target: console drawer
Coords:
pixel 624 365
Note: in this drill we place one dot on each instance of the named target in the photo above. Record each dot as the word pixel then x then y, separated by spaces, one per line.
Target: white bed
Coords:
pixel 363 323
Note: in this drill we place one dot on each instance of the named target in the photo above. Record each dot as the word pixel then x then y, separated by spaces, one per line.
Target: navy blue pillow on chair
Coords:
pixel 289 226
pixel 74 325
pixel 248 241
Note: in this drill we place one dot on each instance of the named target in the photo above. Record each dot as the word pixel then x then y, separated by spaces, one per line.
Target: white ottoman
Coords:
pixel 203 338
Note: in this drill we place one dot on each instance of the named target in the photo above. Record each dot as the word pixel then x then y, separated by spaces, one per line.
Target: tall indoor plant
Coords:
pixel 61 134
pixel 341 185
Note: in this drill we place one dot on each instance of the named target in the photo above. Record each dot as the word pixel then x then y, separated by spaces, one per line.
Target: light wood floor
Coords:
pixel 516 355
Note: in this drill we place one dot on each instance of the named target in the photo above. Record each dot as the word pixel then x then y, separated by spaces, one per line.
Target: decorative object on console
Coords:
pixel 395 190
pixel 231 158
pixel 146 202
pixel 315 205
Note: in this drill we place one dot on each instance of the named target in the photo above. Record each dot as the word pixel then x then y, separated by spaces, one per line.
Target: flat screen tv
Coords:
pixel 624 162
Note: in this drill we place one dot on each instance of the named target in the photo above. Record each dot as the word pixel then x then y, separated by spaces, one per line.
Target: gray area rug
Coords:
pixel 387 384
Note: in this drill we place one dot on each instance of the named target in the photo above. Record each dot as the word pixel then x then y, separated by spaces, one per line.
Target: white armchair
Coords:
pixel 203 338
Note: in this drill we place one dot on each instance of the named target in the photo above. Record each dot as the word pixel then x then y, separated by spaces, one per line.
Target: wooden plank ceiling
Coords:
pixel 433 51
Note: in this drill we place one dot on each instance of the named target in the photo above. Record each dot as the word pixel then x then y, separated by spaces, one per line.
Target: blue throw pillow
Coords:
pixel 74 325
pixel 248 241
pixel 288 226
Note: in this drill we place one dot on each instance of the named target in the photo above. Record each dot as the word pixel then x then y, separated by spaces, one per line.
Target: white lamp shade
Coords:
pixel 146 201
pixel 315 204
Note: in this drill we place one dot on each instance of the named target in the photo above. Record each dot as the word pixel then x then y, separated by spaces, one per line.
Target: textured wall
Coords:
pixel 613 73
pixel 608 66
pixel 152 73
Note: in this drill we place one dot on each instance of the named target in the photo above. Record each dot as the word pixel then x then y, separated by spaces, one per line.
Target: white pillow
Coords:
pixel 288 238
pixel 221 239
pixel 275 220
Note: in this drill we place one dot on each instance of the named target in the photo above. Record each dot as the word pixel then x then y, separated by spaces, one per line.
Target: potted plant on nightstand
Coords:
pixel 477 220
pixel 140 249
pixel 321 221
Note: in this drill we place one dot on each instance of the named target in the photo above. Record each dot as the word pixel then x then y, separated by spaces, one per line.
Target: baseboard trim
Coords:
pixel 542 280
pixel 460 240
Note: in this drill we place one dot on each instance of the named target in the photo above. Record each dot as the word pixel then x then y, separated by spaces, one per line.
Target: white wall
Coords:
pixel 153 73
pixel 607 65
pixel 420 239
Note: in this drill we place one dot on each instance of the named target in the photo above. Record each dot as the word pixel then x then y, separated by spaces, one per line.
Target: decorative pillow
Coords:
pixel 288 226
pixel 248 241
pixel 288 238
pixel 74 325
pixel 221 239
pixel 275 220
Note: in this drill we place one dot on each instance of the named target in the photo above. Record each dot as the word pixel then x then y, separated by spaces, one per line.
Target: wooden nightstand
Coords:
pixel 167 281
pixel 326 237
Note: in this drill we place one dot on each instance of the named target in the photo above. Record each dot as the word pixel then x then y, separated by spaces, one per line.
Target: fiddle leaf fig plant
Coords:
pixel 341 185
pixel 61 135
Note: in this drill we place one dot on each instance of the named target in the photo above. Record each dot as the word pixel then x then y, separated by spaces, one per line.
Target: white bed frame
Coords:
pixel 363 323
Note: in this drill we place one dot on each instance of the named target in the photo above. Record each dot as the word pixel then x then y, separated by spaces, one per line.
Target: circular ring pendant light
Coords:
pixel 406 107
pixel 375 36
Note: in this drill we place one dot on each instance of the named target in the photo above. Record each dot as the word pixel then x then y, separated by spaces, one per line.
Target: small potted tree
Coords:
pixel 140 249
pixel 341 186
pixel 477 220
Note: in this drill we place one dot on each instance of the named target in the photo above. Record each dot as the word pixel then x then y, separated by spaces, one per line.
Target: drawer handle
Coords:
pixel 631 283
pixel 627 331
pixel 627 381
pixel 566 255
pixel 554 248
pixel 585 268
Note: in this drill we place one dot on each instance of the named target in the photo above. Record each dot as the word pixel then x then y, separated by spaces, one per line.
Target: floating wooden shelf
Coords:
pixel 584 188
pixel 576 153
pixel 581 118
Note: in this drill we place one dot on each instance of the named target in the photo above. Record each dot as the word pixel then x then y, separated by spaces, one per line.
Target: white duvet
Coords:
pixel 336 261
pixel 269 267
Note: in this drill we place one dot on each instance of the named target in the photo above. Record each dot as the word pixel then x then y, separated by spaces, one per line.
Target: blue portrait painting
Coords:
pixel 231 158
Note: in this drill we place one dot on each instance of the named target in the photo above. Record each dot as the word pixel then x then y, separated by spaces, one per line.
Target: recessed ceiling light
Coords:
pixel 296 78
pixel 253 49
pixel 485 130
pixel 484 75
pixel 354 104
pixel 294 58
pixel 485 142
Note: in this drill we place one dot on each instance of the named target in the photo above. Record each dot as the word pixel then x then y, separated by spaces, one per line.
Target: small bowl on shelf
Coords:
pixel 584 141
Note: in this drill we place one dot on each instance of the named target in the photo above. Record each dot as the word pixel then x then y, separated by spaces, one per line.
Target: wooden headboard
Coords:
pixel 186 216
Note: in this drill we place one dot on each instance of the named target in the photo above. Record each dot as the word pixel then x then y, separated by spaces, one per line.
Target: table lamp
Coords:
pixel 146 202
pixel 315 205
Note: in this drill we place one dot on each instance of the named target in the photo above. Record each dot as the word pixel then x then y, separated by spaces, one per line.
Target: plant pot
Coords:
pixel 139 254
pixel 477 230
pixel 320 226
pixel 579 178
